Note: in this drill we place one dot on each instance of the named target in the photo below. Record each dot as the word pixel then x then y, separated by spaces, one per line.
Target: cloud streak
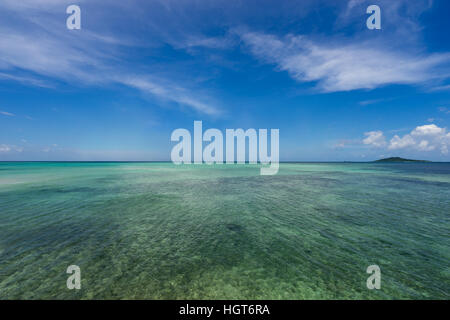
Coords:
pixel 4 148
pixel 42 54
pixel 345 67
pixel 169 92
pixel 5 113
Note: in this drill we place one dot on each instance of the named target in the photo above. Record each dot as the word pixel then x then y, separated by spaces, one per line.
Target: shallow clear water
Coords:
pixel 160 231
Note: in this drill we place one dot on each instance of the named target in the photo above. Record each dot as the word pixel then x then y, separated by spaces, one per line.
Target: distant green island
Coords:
pixel 398 159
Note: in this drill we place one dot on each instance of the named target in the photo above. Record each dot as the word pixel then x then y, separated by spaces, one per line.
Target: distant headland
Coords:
pixel 398 159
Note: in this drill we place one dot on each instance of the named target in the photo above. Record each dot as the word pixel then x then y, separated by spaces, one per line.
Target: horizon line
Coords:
pixel 166 161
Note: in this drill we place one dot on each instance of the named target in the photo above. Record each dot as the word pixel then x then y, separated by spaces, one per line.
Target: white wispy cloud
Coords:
pixel 5 113
pixel 345 67
pixel 189 41
pixel 37 4
pixel 44 55
pixel 170 92
pixel 4 148
pixel 25 80
pixel 37 54
pixel 347 143
pixel 50 148
pixel 441 88
pixel 444 110
pixel 375 138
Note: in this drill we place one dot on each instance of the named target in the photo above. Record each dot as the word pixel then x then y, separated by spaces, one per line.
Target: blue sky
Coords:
pixel 137 70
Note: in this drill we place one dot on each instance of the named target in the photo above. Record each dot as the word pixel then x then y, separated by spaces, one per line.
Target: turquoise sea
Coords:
pixel 160 231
